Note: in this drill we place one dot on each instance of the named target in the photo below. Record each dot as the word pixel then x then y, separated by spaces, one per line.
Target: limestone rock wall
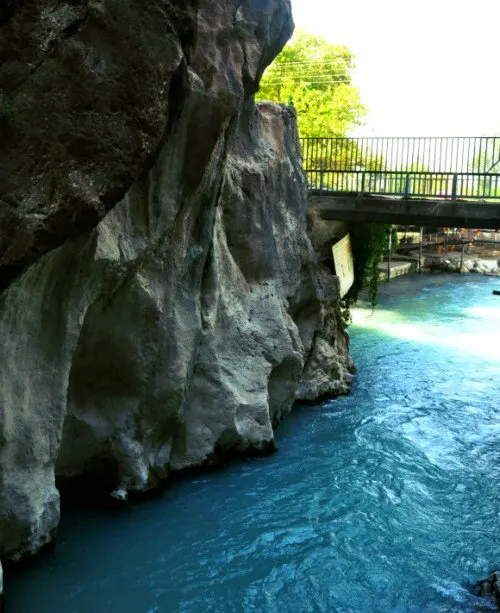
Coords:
pixel 90 89
pixel 329 368
pixel 181 328
pixel 172 335
pixel 93 94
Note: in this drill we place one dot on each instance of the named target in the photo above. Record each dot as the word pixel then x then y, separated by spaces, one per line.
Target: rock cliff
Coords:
pixel 90 89
pixel 181 328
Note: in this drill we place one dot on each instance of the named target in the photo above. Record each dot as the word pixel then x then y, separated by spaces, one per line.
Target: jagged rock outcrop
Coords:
pixel 177 331
pixel 329 368
pixel 164 339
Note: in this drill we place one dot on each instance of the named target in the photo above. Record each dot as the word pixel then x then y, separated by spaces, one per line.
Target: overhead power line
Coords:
pixel 305 74
pixel 307 83
pixel 312 62
pixel 277 84
pixel 322 75
pixel 326 70
pixel 329 73
pixel 310 80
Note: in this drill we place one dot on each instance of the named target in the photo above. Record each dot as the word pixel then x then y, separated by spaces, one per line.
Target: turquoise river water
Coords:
pixel 387 500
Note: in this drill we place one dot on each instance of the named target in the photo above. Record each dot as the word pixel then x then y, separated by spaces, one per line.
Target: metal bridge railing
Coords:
pixel 445 168
pixel 443 186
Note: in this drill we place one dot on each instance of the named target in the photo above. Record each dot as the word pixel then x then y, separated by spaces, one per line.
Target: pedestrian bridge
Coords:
pixel 446 182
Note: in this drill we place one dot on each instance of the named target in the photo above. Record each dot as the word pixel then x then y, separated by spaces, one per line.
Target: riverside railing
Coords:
pixel 465 168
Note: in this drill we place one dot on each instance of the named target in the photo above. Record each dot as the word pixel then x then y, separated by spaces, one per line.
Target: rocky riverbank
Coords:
pixel 451 263
pixel 454 263
pixel 163 306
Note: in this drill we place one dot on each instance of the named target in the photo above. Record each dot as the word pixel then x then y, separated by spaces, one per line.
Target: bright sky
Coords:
pixel 424 67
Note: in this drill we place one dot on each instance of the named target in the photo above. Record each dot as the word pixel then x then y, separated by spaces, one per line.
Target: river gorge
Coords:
pixel 381 501
pixel 171 316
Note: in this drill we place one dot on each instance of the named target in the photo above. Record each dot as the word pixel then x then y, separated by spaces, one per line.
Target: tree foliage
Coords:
pixel 315 77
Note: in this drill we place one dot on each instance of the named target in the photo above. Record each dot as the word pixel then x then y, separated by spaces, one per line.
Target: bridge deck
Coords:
pixel 356 208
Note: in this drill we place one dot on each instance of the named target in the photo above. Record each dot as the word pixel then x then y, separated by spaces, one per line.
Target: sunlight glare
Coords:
pixel 483 344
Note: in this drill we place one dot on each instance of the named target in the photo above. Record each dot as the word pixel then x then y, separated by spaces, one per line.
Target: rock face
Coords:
pixel 182 328
pixel 90 89
pixel 329 368
pixel 172 335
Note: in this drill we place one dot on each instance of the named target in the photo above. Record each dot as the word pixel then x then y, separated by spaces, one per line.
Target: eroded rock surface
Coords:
pixel 89 90
pixel 329 368
pixel 177 331
pixel 92 94
pixel 174 334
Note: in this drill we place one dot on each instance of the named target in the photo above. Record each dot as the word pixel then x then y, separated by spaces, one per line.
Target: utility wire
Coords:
pixel 309 62
pixel 301 83
pixel 325 77
pixel 310 74
pixel 315 68
pixel 306 82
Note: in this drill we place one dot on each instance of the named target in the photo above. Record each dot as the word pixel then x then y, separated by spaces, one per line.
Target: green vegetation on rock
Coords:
pixel 368 243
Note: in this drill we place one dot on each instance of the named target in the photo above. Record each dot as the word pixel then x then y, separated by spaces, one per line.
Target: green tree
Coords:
pixel 485 160
pixel 315 77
